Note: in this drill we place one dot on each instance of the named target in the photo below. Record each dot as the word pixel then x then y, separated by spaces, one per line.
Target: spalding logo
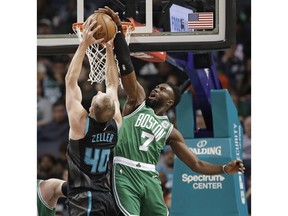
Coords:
pixel 201 143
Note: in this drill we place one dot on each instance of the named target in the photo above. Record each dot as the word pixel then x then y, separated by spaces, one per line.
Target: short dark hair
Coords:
pixel 177 93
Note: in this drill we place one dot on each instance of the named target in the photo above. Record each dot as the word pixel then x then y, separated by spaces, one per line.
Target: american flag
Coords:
pixel 201 20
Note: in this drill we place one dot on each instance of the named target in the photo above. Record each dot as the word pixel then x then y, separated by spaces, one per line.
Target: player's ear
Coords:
pixel 170 102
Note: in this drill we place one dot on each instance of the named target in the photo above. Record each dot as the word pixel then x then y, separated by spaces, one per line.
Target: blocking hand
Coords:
pixel 111 13
pixel 234 167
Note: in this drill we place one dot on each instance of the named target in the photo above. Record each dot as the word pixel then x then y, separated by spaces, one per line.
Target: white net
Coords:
pixel 96 54
pixel 129 29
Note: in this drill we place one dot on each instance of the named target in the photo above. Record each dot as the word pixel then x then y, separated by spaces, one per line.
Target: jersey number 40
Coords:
pixel 97 159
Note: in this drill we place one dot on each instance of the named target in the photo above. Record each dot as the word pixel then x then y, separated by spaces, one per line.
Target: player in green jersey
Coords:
pixel 48 193
pixel 145 130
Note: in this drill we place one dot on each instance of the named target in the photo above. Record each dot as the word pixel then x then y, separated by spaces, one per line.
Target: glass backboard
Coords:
pixel 195 25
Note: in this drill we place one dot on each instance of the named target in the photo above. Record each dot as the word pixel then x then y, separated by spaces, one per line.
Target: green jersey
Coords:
pixel 143 135
pixel 43 208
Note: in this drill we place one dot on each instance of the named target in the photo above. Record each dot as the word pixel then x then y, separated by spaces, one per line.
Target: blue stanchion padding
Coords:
pixel 195 194
pixel 224 113
pixel 223 109
pixel 203 195
pixel 185 116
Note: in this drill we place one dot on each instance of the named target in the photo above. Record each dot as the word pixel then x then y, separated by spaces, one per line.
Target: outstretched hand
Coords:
pixel 234 167
pixel 88 32
pixel 111 13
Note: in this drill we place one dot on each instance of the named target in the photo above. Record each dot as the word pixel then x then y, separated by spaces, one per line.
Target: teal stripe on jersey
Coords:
pixel 89 203
pixel 87 125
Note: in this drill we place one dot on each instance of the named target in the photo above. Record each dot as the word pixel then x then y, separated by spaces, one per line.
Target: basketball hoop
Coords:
pixel 127 28
pixel 96 53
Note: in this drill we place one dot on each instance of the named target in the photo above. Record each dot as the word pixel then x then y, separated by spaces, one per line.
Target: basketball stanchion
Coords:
pixel 96 53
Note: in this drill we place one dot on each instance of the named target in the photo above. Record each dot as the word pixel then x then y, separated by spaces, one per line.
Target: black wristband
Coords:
pixel 123 55
pixel 64 188
pixel 120 28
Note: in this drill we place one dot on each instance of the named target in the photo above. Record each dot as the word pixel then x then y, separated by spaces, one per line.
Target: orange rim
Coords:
pixel 125 25
pixel 77 24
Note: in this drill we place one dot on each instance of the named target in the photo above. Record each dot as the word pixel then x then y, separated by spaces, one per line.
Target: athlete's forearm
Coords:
pixel 75 66
pixel 111 72
pixel 123 54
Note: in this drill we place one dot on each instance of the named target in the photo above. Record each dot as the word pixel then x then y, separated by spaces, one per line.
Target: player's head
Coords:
pixel 164 95
pixel 102 107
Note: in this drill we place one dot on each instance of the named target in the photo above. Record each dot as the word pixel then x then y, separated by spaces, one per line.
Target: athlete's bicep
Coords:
pixel 135 92
pixel 73 102
pixel 73 98
pixel 112 92
pixel 117 115
pixel 76 112
pixel 177 143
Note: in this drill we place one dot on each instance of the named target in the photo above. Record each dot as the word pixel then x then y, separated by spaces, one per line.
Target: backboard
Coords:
pixel 180 25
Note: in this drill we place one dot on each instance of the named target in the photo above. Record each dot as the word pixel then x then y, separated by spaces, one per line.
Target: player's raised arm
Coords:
pixel 112 81
pixel 135 92
pixel 178 145
pixel 76 112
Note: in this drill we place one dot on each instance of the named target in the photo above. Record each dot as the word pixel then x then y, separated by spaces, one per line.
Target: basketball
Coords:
pixel 108 27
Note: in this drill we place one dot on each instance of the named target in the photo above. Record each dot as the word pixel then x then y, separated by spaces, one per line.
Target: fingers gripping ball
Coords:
pixel 108 27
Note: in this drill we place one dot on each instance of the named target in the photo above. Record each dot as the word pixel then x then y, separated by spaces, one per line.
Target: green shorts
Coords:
pixel 138 192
